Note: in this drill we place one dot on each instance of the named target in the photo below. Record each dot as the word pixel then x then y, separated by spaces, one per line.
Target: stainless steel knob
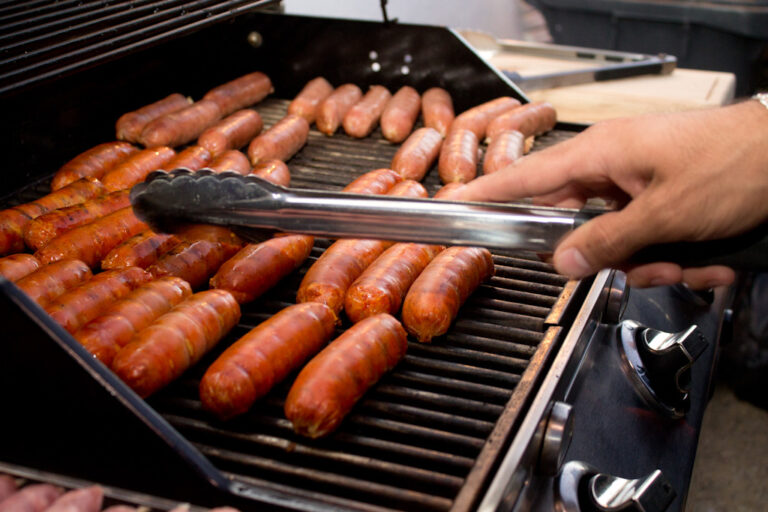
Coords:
pixel 557 436
pixel 616 298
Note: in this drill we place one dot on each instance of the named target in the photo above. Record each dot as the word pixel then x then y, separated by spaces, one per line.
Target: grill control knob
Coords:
pixel 660 363
pixel 556 438
pixel 616 297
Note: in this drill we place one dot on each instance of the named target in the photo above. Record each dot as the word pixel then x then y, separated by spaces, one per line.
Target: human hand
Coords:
pixel 688 176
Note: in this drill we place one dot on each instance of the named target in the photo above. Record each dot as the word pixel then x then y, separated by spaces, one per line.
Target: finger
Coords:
pixel 708 277
pixel 654 274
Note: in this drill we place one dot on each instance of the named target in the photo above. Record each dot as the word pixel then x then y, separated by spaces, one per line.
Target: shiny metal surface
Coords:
pixel 557 438
pixel 652 493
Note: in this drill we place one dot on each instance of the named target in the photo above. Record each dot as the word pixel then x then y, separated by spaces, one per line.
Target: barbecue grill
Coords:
pixel 539 394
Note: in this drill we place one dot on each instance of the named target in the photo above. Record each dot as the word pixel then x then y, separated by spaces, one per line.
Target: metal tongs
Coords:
pixel 256 209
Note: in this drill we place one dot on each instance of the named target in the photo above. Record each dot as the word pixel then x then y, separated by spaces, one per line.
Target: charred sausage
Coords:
pixel 232 160
pixel 306 103
pixel 140 250
pixel 274 171
pixel 280 142
pixel 435 297
pixel 250 367
pixel 530 119
pixel 105 335
pixel 458 156
pixel 332 110
pixel 182 126
pixel 379 181
pixel 161 352
pixel 400 114
pixel 335 379
pixel 136 167
pixel 192 158
pixel 241 92
pixel 364 115
pixel 130 125
pixel 16 266
pixel 194 261
pixel 51 281
pixel 232 132
pixel 477 118
pixel 417 154
pixel 92 163
pixel 505 148
pixel 437 109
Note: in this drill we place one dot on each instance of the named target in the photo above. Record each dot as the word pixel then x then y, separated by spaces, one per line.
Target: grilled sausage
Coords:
pixel 14 220
pixel 87 499
pixel 258 267
pixel 364 115
pixel 232 132
pixel 332 110
pixel 280 142
pixel 379 181
pixel 232 160
pixel 105 335
pixel 92 241
pixel 400 114
pixel 32 498
pixel 130 125
pixel 435 297
pixel 48 226
pixel 7 486
pixel 241 92
pixel 16 266
pixel 417 154
pixel 140 250
pixel 477 118
pixel 181 126
pixel 328 279
pixel 306 103
pixel 274 171
pixel 136 167
pixel 458 156
pixel 530 119
pixel 505 148
pixel 335 379
pixel 161 352
pixel 51 281
pixel 85 302
pixel 437 109
pixel 92 163
pixel 192 158
pixel 250 367
pixel 195 261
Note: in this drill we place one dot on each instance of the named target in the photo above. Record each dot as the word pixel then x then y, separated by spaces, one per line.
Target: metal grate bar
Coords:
pixel 474 408
pixel 518 296
pixel 425 417
pixel 488 344
pixel 497 331
pixel 524 274
pixel 54 9
pixel 474 357
pixel 461 371
pixel 510 307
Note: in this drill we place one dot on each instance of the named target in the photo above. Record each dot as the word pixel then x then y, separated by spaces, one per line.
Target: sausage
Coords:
pixel 87 499
pixel 435 297
pixel 458 156
pixel 530 119
pixel 332 110
pixel 328 279
pixel 7 486
pixel 274 171
pixel 400 114
pixel 379 181
pixel 505 148
pixel 192 158
pixel 140 250
pixel 48 226
pixel 105 335
pixel 130 125
pixel 32 498
pixel 232 132
pixel 335 379
pixel 241 92
pixel 82 304
pixel 364 115
pixel 437 109
pixel 161 352
pixel 477 118
pixel 280 142
pixel 136 167
pixel 16 266
pixel 92 241
pixel 250 367
pixel 417 154
pixel 258 267
pixel 14 220
pixel 232 160
pixel 92 163
pixel 181 126
pixel 195 261
pixel 51 281
pixel 306 103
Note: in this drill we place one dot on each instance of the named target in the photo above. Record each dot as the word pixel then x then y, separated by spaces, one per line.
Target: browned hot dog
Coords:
pixel 232 160
pixel 140 250
pixel 306 103
pixel 458 156
pixel 505 148
pixel 437 109
pixel 232 132
pixel 192 158
pixel 16 266
pixel 332 110
pixel 92 163
pixel 379 181
pixel 51 281
pixel 250 367
pixel 335 379
pixel 161 352
pixel 136 167
pixel 280 142
pixel 530 119
pixel 181 126
pixel 435 297
pixel 477 118
pixel 417 154
pixel 130 125
pixel 364 115
pixel 274 171
pixel 241 92
pixel 400 114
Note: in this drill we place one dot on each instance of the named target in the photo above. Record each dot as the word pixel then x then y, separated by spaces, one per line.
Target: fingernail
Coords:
pixel 572 263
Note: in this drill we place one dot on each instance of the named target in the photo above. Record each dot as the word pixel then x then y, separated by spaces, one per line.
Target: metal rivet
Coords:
pixel 376 67
pixel 255 39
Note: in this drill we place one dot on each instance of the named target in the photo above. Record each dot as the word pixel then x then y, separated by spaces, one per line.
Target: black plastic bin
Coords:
pixel 720 35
